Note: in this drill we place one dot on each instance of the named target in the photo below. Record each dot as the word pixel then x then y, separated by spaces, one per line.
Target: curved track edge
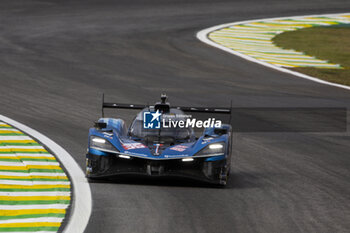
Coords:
pixel 203 36
pixel 82 201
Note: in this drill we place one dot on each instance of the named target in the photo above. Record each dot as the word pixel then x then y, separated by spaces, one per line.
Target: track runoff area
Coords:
pixel 35 192
pixel 252 40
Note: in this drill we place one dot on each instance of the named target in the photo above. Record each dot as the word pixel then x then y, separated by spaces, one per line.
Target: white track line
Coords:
pixel 81 203
pixel 203 36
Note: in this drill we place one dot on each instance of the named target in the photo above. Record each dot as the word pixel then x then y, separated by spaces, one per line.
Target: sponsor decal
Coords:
pixel 133 145
pixel 206 140
pixel 108 135
pixel 135 154
pixel 156 151
pixel 176 156
pixel 179 148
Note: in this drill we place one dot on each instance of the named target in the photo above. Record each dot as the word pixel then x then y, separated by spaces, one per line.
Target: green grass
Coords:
pixel 330 43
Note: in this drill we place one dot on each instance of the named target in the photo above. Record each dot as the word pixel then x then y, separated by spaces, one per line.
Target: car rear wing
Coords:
pixel 220 110
pixel 119 105
pixel 204 109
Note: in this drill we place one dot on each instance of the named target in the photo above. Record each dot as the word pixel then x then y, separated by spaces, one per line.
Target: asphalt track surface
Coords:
pixel 57 57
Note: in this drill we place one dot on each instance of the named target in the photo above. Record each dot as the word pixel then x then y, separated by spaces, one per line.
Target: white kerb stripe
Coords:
pixel 30 207
pixel 30 182
pixel 9 129
pixel 46 163
pixel 15 138
pixel 21 147
pixel 31 174
pixel 29 154
pixel 28 232
pixel 24 163
pixel 29 194
pixel 26 155
pixel 33 220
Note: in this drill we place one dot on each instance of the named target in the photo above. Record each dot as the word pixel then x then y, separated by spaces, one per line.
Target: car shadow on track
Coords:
pixel 237 180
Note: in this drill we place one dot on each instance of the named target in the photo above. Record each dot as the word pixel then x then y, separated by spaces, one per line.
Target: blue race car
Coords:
pixel 156 150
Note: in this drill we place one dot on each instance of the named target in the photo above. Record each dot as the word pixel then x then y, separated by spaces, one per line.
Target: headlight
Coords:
pixel 216 146
pixel 102 144
pixel 213 149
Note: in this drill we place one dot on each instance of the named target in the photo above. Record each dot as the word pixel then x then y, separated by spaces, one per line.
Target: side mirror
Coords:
pixel 217 132
pixel 220 131
pixel 100 125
